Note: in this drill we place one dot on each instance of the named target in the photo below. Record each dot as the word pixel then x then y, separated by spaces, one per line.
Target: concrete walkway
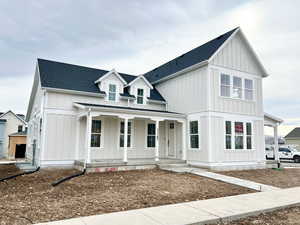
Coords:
pixel 196 212
pixel 223 178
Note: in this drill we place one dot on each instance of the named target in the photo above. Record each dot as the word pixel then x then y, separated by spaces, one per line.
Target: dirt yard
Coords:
pixel 31 198
pixel 290 216
pixel 284 178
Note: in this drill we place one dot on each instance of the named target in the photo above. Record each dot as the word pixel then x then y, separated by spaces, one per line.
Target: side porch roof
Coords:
pixel 128 110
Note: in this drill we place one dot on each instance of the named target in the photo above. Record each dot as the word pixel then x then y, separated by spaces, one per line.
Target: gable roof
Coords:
pixel 295 133
pixel 195 56
pixel 18 116
pixel 143 78
pixel 113 71
pixel 58 75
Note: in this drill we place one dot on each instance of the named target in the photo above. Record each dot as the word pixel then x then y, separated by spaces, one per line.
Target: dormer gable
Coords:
pixel 143 79
pixel 112 83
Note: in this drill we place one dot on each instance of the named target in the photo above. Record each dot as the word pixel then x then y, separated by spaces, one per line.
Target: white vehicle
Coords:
pixel 285 153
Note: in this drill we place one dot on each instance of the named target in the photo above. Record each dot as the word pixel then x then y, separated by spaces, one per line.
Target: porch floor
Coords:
pixel 131 162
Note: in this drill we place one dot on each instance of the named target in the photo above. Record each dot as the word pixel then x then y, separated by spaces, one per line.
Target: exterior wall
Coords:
pixel 237 55
pixel 13 141
pixel 11 126
pixel 60 145
pixel 222 155
pixel 62 101
pixel 295 142
pixel 230 105
pixel 2 137
pixel 186 93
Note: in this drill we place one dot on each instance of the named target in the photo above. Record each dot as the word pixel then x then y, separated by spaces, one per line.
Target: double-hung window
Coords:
pixel 249 135
pixel 151 135
pixel 122 134
pixel 140 96
pixel 194 135
pixel 112 92
pixel 228 135
pixel 20 128
pixel 239 135
pixel 96 133
pixel 237 87
pixel 248 89
pixel 225 85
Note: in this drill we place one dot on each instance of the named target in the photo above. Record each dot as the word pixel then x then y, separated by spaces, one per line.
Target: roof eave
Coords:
pixel 185 70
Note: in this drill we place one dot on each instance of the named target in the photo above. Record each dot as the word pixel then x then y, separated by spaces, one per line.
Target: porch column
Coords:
pixel 77 138
pixel 125 158
pixel 157 140
pixel 184 140
pixel 276 148
pixel 88 137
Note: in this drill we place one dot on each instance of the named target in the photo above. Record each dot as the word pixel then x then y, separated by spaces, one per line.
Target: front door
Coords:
pixel 171 140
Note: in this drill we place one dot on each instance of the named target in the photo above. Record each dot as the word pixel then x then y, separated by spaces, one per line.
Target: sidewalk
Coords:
pixel 196 212
pixel 223 178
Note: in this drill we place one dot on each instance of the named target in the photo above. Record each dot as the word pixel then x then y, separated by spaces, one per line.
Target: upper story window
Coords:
pixel 112 92
pixel 236 87
pixel 140 96
pixel 248 89
pixel 225 85
pixel 20 128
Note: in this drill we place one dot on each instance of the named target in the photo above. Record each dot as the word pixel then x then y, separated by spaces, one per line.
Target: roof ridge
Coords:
pixel 218 37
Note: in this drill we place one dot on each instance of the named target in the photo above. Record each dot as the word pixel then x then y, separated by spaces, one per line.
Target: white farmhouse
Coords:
pixel 203 108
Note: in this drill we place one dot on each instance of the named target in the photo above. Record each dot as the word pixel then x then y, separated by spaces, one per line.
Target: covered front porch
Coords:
pixel 109 136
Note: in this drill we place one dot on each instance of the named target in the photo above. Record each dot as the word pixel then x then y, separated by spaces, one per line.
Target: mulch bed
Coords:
pixel 284 178
pixel 31 198
pixel 290 216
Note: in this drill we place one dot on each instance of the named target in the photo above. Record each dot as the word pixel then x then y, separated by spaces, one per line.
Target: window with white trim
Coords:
pixel 112 92
pixel 249 135
pixel 238 135
pixel 228 135
pixel 96 133
pixel 122 131
pixel 194 135
pixel 237 87
pixel 140 96
pixel 225 85
pixel 151 135
pixel 248 91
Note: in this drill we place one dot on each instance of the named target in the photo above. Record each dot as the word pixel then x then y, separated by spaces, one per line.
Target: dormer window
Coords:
pixel 140 96
pixel 112 92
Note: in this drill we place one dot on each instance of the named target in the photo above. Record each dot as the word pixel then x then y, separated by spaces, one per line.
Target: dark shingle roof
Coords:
pixel 127 108
pixel 197 55
pixel 294 133
pixel 3 120
pixel 77 78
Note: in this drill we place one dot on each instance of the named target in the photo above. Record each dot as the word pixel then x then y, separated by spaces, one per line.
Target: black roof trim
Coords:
pixel 127 108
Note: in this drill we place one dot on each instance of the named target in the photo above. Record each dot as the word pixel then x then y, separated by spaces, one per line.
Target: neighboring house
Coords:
pixel 204 107
pixel 10 123
pixel 293 138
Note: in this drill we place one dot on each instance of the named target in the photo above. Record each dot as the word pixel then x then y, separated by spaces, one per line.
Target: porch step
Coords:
pixel 173 165
pixel 25 166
